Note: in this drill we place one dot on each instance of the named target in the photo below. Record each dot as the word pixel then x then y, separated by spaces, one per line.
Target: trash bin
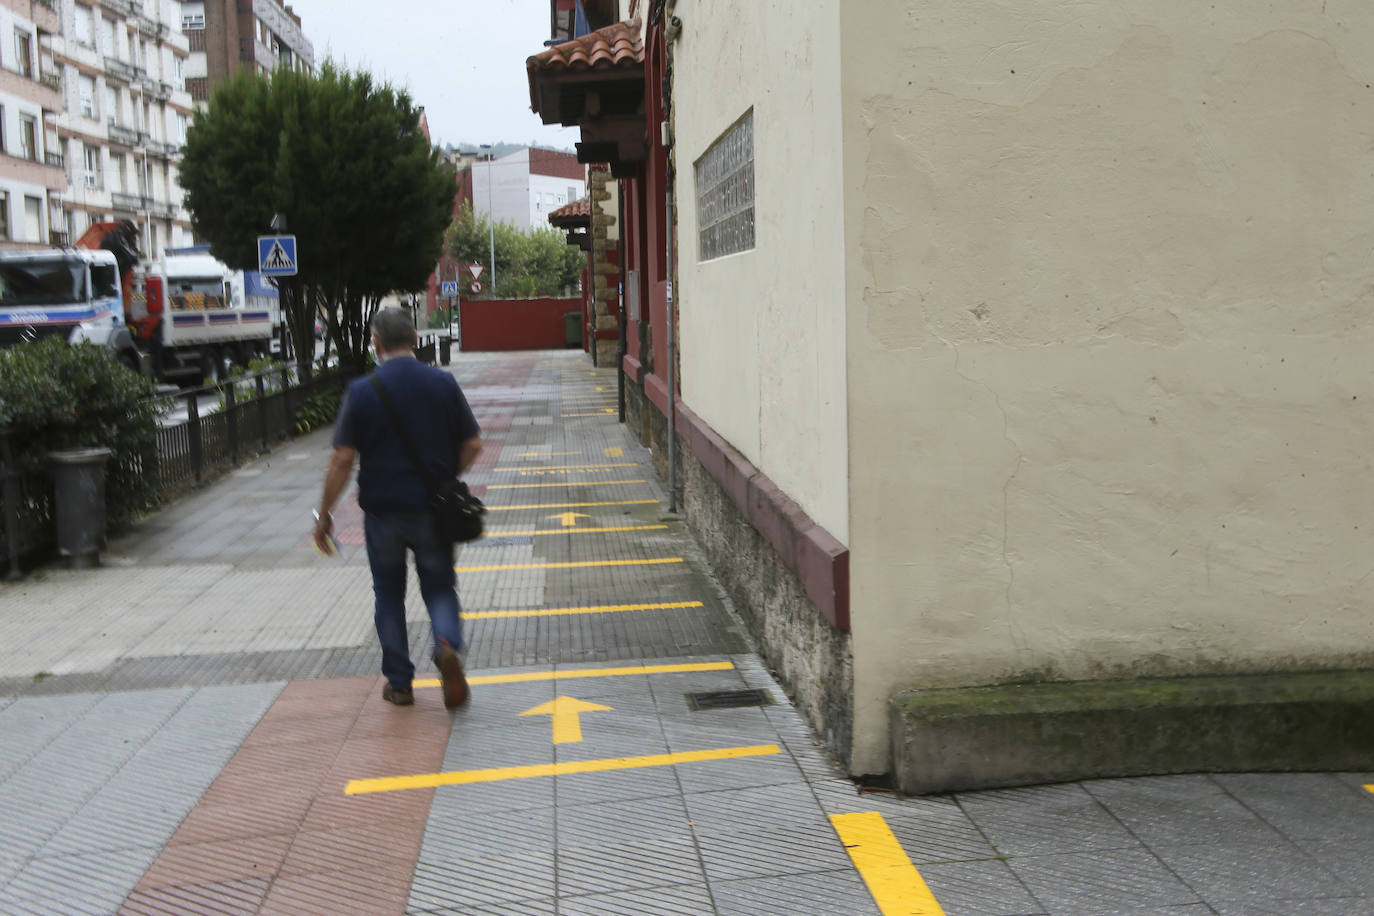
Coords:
pixel 79 504
pixel 572 327
pixel 445 350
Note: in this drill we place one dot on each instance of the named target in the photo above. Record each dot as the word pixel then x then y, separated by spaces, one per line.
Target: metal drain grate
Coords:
pixel 729 699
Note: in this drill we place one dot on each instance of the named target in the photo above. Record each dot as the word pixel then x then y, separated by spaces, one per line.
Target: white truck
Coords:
pixel 193 316
pixel 184 316
pixel 72 293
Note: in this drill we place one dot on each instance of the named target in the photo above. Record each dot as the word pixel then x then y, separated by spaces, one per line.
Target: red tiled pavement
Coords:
pixel 275 832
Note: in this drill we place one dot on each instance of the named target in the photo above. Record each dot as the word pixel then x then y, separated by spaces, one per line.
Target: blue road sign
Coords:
pixel 277 255
pixel 448 288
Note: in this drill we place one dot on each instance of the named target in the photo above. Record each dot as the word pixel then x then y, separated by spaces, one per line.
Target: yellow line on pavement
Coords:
pixel 565 674
pixel 527 486
pixel 618 502
pixel 512 534
pixel 500 774
pixel 548 455
pixel 570 467
pixel 604 412
pixel 593 609
pixel 897 887
pixel 581 564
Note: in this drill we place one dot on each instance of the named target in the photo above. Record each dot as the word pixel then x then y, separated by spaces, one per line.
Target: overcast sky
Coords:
pixel 463 60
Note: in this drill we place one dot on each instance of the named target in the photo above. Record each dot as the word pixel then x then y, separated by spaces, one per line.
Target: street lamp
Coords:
pixel 491 220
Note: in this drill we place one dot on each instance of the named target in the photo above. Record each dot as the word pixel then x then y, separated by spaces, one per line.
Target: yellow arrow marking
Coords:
pixel 499 774
pixel 569 519
pixel 526 677
pixel 619 502
pixel 538 532
pixel 615 453
pixel 897 887
pixel 566 713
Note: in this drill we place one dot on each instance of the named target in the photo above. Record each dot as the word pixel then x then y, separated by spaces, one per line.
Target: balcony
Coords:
pixel 123 7
pixel 57 160
pixel 147 26
pixel 128 202
pixel 59 239
pixel 120 70
pixel 52 80
pixel 123 135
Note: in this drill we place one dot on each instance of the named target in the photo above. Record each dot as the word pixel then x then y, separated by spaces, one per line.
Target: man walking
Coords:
pixel 396 515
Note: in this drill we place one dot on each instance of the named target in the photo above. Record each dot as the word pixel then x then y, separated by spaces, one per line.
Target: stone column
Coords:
pixel 605 269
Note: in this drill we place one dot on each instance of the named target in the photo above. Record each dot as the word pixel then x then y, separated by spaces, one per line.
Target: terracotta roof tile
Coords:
pixel 614 46
pixel 580 207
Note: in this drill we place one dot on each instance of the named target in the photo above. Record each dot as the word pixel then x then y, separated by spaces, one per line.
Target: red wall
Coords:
pixel 516 324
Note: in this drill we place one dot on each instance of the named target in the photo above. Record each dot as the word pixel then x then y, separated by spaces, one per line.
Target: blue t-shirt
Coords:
pixel 434 411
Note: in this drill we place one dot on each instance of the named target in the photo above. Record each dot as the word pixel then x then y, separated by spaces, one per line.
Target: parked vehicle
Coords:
pixel 184 316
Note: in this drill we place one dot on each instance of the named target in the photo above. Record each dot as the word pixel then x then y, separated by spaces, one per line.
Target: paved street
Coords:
pixel 196 727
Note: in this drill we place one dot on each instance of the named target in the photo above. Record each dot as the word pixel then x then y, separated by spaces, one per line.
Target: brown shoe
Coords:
pixel 398 696
pixel 451 673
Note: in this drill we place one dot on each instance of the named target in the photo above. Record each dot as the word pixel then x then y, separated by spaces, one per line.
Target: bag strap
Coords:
pixel 406 442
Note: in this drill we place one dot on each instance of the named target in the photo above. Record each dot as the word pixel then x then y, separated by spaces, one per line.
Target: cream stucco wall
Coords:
pixel 762 332
pixel 1110 293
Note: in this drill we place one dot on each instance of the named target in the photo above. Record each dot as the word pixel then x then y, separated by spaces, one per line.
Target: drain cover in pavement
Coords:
pixel 729 699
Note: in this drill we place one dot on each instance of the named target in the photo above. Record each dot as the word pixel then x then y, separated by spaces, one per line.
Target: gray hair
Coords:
pixel 394 329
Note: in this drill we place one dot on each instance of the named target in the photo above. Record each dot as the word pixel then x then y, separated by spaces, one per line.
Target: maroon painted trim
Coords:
pixel 819 560
pixel 633 368
pixel 656 390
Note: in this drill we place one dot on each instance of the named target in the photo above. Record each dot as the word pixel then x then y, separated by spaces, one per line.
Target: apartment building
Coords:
pixel 523 187
pixel 226 36
pixel 124 117
pixel 32 179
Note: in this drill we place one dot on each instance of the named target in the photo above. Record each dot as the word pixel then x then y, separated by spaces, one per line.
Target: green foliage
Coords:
pixel 318 410
pixel 535 263
pixel 57 396
pixel 344 159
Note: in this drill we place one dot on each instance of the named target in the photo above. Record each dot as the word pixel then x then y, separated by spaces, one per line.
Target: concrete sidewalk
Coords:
pixel 197 728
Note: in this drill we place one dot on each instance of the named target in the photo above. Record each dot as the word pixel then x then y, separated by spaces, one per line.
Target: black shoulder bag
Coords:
pixel 457 513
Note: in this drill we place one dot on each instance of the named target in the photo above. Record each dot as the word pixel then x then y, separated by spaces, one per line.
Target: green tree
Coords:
pixel 535 263
pixel 344 160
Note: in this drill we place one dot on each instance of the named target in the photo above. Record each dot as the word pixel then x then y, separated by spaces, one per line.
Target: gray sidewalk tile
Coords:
pixel 985 888
pixel 684 900
pixel 1304 805
pixel 1044 820
pixel 1252 872
pixel 472 882
pixel 1320 906
pixel 1180 810
pixel 831 893
pixel 1348 859
pixel 542 907
pixel 1105 881
pixel 92 884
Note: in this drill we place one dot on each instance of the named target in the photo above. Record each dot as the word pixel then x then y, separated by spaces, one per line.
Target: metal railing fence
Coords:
pixel 255 411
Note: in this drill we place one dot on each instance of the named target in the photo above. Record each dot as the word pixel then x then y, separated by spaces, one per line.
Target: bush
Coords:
pixel 54 396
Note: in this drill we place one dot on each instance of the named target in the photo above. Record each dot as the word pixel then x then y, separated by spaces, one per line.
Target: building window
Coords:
pixel 93 167
pixel 199 87
pixel 28 137
pixel 87 92
pixel 23 50
pixel 33 218
pixel 85 26
pixel 192 21
pixel 107 37
pixel 4 214
pixel 117 174
pixel 725 193
pixel 181 129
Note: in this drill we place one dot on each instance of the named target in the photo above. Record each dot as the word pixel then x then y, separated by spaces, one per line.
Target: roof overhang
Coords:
pixel 596 83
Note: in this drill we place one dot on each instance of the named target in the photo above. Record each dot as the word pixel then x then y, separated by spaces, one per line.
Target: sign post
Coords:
pixel 277 255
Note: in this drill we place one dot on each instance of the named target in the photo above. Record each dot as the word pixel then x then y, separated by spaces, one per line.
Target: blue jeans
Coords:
pixel 388 537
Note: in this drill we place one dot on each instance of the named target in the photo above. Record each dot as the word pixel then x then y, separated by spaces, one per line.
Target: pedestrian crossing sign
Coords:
pixel 277 255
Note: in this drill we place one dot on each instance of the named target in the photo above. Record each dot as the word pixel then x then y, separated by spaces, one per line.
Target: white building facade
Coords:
pixel 31 166
pixel 522 188
pixel 126 112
